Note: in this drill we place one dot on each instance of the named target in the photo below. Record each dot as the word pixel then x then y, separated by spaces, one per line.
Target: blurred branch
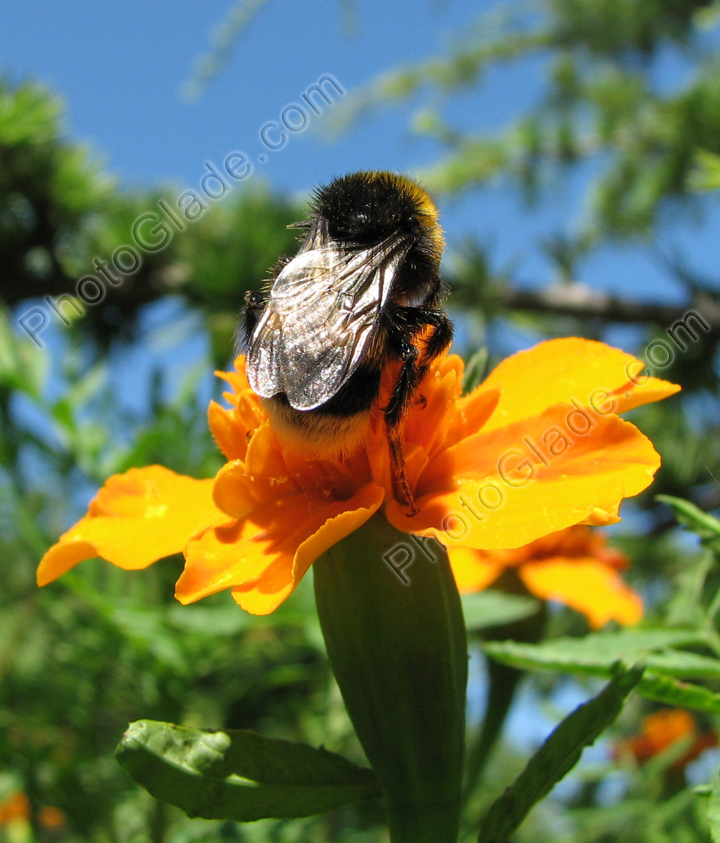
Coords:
pixel 224 39
pixel 582 302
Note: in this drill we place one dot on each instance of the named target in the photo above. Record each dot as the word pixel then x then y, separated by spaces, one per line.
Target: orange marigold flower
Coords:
pixel 664 728
pixel 536 448
pixel 51 818
pixel 573 566
pixel 15 807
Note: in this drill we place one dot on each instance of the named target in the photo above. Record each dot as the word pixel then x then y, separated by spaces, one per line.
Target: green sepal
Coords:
pixel 238 774
pixel 397 645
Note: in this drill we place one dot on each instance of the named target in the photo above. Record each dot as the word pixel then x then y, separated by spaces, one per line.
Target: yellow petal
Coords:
pixel 588 373
pixel 135 519
pixel 493 491
pixel 264 556
pixel 472 572
pixel 585 585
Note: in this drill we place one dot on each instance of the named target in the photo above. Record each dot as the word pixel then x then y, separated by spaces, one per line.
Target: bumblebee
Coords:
pixel 363 291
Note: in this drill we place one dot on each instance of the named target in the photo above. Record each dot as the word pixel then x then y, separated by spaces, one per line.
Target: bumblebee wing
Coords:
pixel 320 318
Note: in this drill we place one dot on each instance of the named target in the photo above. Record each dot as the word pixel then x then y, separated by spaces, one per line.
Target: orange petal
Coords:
pixel 492 490
pixel 585 585
pixel 264 556
pixel 238 377
pixel 261 478
pixel 232 428
pixel 589 373
pixel 231 492
pixel 229 436
pixel 472 412
pixel 667 726
pixel 574 543
pixel 135 519
pixel 431 411
pixel 472 571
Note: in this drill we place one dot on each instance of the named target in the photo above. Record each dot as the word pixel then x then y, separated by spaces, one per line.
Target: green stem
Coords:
pixel 398 650
pixel 433 824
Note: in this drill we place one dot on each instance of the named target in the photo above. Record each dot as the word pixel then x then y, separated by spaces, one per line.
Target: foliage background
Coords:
pixel 571 144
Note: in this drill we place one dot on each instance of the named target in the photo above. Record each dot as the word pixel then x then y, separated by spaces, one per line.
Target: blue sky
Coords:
pixel 121 67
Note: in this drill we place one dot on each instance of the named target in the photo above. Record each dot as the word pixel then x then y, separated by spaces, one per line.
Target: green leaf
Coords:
pixel 556 757
pixel 707 527
pixel 239 775
pixel 492 608
pixel 665 689
pixel 685 607
pixel 595 654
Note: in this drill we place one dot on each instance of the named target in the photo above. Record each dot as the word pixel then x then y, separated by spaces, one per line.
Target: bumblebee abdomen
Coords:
pixel 339 426
pixel 316 433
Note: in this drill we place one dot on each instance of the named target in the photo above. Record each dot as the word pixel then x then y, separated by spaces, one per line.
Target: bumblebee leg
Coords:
pixel 410 321
pixel 440 339
pixel 408 379
pixel 405 496
pixel 254 306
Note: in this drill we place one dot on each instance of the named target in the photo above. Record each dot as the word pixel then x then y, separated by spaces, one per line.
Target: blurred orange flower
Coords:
pixel 536 448
pixel 51 818
pixel 664 728
pixel 15 807
pixel 573 566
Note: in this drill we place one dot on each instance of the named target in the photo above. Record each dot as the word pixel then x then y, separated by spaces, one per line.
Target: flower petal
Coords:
pixel 232 428
pixel 472 412
pixel 262 477
pixel 586 585
pixel 432 410
pixel 135 519
pixel 472 571
pixel 505 488
pixel 264 556
pixel 578 542
pixel 589 373
pixel 229 437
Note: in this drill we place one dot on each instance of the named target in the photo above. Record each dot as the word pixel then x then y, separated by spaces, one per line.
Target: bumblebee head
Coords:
pixel 368 207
